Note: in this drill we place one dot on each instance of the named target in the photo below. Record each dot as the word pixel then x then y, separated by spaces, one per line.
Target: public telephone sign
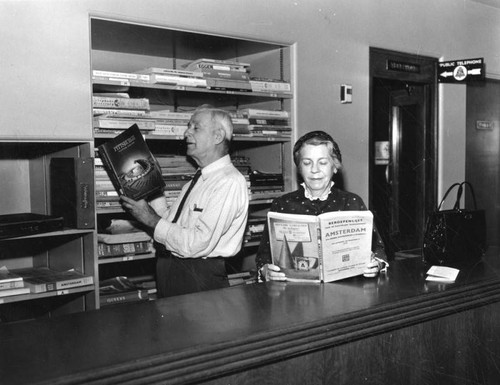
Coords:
pixel 459 71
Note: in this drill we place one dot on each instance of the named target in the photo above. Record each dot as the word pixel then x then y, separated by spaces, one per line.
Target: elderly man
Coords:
pixel 207 222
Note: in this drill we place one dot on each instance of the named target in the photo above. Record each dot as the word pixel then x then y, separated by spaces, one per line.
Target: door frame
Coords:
pixel 405 67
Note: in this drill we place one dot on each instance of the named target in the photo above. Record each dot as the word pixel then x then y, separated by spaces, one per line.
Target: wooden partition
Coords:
pixel 395 329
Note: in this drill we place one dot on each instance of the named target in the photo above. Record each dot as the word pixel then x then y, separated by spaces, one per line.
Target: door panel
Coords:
pixel 403 112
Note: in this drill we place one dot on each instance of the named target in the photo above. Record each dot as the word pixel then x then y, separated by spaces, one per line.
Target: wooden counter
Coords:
pixel 393 329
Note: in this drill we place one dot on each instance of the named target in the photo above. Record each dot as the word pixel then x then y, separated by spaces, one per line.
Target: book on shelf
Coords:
pixel 270 127
pixel 14 291
pixel 269 122
pixel 137 295
pixel 23 224
pixel 169 175
pixel 122 234
pixel 122 95
pixel 102 82
pixel 43 279
pixel 178 80
pixel 120 103
pixel 167 114
pixel 112 205
pixel 225 65
pixel 175 184
pixel 131 166
pixel 224 74
pixel 169 129
pixel 228 85
pixel 170 71
pixel 119 112
pixel 103 194
pixel 324 248
pixel 113 123
pixel 270 86
pixel 120 75
pixel 259 178
pixel 265 194
pixel 284 134
pixel 72 191
pixel 264 114
pixel 122 289
pixel 105 250
pixel 9 280
pixel 170 160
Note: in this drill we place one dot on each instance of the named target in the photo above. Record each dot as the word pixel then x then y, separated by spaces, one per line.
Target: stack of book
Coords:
pixel 266 185
pixel 267 122
pixel 107 198
pixel 242 163
pixel 114 112
pixel 123 289
pixel 176 171
pixel 11 283
pixel 118 78
pixel 44 279
pixel 174 77
pixel 125 245
pixel 223 74
pixel 170 123
pixel 271 86
pixel 240 123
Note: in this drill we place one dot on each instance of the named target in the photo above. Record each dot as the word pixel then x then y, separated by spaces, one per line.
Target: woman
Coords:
pixel 318 158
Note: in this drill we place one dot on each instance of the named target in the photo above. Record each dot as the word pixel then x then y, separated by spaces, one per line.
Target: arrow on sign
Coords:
pixel 446 74
pixel 475 71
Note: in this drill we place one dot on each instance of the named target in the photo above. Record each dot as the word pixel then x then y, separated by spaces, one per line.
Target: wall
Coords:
pixel 46 65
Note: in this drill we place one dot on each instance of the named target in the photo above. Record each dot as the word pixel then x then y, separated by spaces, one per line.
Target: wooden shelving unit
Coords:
pixel 127 47
pixel 26 188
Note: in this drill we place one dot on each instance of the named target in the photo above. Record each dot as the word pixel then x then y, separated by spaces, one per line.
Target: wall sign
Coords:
pixel 460 71
pixel 399 66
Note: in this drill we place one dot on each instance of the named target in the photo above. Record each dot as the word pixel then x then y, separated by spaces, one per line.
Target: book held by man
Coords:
pixel 323 248
pixel 131 166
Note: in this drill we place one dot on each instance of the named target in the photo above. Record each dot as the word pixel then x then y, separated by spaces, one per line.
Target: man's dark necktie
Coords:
pixel 193 182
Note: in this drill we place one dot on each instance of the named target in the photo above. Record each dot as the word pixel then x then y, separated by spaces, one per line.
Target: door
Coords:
pixel 406 171
pixel 403 148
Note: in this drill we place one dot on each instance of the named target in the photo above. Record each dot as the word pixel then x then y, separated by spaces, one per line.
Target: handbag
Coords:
pixel 456 235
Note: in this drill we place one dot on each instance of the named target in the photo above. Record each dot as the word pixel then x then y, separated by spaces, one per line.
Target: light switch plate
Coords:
pixel 345 93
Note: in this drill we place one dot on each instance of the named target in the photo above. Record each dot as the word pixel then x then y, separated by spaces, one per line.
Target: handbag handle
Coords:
pixel 459 195
pixel 456 206
pixel 447 192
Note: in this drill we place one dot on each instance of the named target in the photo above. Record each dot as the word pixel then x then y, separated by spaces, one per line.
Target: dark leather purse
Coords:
pixel 457 235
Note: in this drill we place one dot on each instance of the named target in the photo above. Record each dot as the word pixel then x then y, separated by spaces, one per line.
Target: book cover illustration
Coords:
pixel 131 166
pixel 326 248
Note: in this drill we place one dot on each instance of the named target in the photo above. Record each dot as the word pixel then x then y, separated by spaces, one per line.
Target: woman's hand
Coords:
pixel 375 266
pixel 272 272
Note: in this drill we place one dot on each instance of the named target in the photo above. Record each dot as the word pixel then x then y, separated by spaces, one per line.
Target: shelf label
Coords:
pixel 62 292
pixel 128 258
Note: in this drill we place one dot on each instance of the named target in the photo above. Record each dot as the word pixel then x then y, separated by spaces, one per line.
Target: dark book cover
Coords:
pixel 72 191
pixel 131 166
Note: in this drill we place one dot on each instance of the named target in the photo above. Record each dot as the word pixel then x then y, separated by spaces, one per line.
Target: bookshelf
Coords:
pixel 124 48
pixel 26 189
